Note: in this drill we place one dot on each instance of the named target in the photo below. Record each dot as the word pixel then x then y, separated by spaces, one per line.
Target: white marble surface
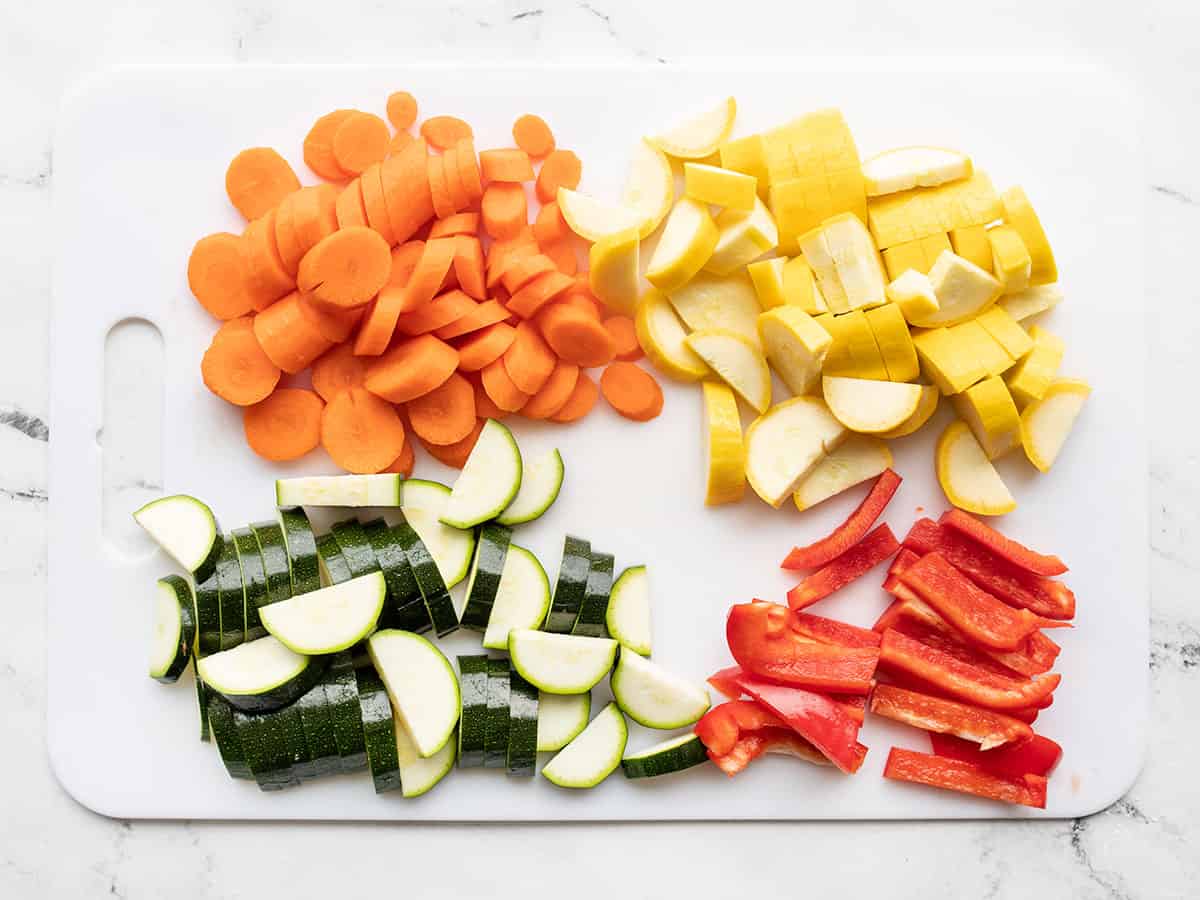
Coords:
pixel 1145 846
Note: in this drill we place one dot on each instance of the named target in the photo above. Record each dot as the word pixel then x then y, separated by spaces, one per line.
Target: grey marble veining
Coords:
pixel 1147 845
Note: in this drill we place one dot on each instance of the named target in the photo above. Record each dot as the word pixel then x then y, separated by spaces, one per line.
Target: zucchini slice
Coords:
pixel 672 755
pixel 521 600
pixel 484 581
pixel 495 740
pixel 333 566
pixel 356 549
pixel 541 481
pixel 339 490
pixel 301 549
pixel 405 607
pixel 417 774
pixel 273 549
pixel 186 529
pixel 219 714
pixel 429 580
pixel 560 663
pixel 472 720
pixel 208 616
pixel 341 692
pixel 560 718
pixel 202 695
pixel 451 548
pixel 174 629
pixel 330 619
pixel 422 686
pixel 654 697
pixel 593 755
pixel 379 731
pixel 317 721
pixel 595 597
pixel 628 614
pixel 264 739
pixel 232 597
pixel 254 580
pixel 260 675
pixel 303 766
pixel 490 479
pixel 571 586
pixel 522 726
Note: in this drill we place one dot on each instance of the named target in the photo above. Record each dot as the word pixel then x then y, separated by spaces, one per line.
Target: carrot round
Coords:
pixel 505 210
pixel 583 303
pixel 489 312
pixel 286 241
pixel 361 433
pixel 529 361
pixel 404 261
pixel 399 141
pixel 505 165
pixel 337 371
pixel 631 391
pixel 446 414
pixel 318 145
pixel 562 253
pixel 554 393
pixel 624 337
pixel 379 323
pixel 485 346
pixel 550 225
pixel 335 324
pixel 289 338
pixel 375 203
pixel 525 269
pixel 581 402
pixel 561 168
pixel 459 223
pixel 454 183
pixel 533 135
pixel 217 274
pixel 411 368
pixel 266 276
pixel 437 256
pixel 500 388
pixel 404 179
pixel 257 180
pixel 360 140
pixel 285 426
pixel 443 310
pixel 347 268
pixel 401 110
pixel 235 368
pixel 444 132
pixel 468 266
pixel 468 169
pixel 577 336
pixel 502 254
pixel 314 215
pixel 485 407
pixel 403 464
pixel 537 293
pixel 455 455
pixel 349 208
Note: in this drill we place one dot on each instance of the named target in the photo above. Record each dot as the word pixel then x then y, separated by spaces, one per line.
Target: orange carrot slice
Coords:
pixel 500 389
pixel 561 168
pixel 537 293
pixel 286 241
pixel 631 391
pixel 624 337
pixel 375 203
pixel 586 303
pixel 505 165
pixel 526 269
pixel 314 215
pixel 502 253
pixel 289 338
pixel 533 135
pixel 404 261
pixel 430 272
pixel 411 368
pixel 235 368
pixel 444 132
pixel 485 346
pixel 468 169
pixel 455 189
pixel 218 276
pixel 562 252
pixel 580 403
pixel 468 266
pixel 349 208
pixel 401 110
pixel 529 360
pixel 347 268
pixel 459 223
pixel 439 312
pixel 399 141
pixel 505 210
pixel 576 336
pixel 257 180
pixel 405 181
pixel 361 433
pixel 266 277
pixel 439 191
pixel 455 455
pixel 334 323
pixel 361 139
pixel 489 312
pixel 338 370
pixel 550 225
pixel 485 407
pixel 446 414
pixel 554 393
pixel 403 464
pixel 285 426
pixel 318 145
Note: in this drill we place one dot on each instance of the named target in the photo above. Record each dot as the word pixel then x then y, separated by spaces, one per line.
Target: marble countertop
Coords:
pixel 1147 845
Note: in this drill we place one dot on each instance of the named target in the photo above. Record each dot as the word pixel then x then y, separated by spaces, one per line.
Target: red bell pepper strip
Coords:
pixel 1001 579
pixel 763 643
pixel 815 717
pixel 831 631
pixel 849 532
pixel 980 617
pixel 959 679
pixel 1001 545
pixel 720 727
pixel 1034 756
pixel 724 682
pixel 769 740
pixel 986 727
pixel 964 777
pixel 855 706
pixel 903 560
pixel 851 565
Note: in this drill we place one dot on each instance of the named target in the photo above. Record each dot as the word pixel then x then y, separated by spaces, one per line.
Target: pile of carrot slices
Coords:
pixel 416 288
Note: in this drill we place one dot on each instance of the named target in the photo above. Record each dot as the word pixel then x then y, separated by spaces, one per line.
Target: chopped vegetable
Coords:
pixel 855 562
pixel 849 532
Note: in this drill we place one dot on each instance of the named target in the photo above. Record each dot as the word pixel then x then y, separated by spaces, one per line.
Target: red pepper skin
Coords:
pixel 851 565
pixel 763 642
pixel 985 727
pixel 769 740
pixel 1001 579
pixel 720 727
pixel 1004 547
pixel 815 717
pixel 850 532
pixel 1035 756
pixel 964 777
pixel 855 706
pixel 831 631
pixel 724 682
pixel 1028 714
pixel 959 679
pixel 903 560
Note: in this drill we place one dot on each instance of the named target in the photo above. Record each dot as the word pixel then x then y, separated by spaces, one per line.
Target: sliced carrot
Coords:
pixel 439 191
pixel 361 433
pixel 334 323
pixel 500 389
pixel 562 252
pixel 485 346
pixel 411 368
pixel 405 181
pixel 550 225
pixel 349 208
pixel 436 258
pixel 631 391
pixel 399 141
pixel 459 223
pixel 533 135
pixel 579 301
pixel 485 407
pixel 375 203
pixel 361 139
pixel 318 145
pixel 379 321
pixel 401 110
pixel 284 426
pixel 438 313
pixel 286 241
pixel 398 296
pixel 580 403
pixel 502 253
pixel 468 169
pixel 444 132
pixel 505 165
pixel 446 414
pixel 455 455
pixel 554 393
pixel 289 338
pixel 489 312
pixel 505 210
pixel 403 464
pixel 561 168
pixel 257 180
pixel 235 368
pixel 219 276
pixel 537 293
pixel 347 268
pixel 624 337
pixel 337 371
pixel 404 260
pixel 314 215
pixel 529 360
pixel 454 183
pixel 526 269
pixel 266 278
pixel 576 336
pixel 468 266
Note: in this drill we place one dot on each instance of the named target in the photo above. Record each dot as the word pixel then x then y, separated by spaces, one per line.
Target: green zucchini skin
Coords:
pixel 254 581
pixel 491 550
pixel 202 695
pixel 429 580
pixel 341 691
pixel 472 722
pixel 522 726
pixel 301 546
pixel 182 589
pixel 355 547
pixel 651 764
pixel 595 597
pixel 232 596
pixel 317 721
pixel 290 723
pixel 272 547
pixel 265 743
pixel 331 559
pixel 405 607
pixel 495 745
pixel 571 586
pixel 379 731
pixel 229 743
pixel 208 615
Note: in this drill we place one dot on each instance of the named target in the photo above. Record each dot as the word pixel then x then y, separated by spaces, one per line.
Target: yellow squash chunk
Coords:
pixel 1006 330
pixel 911 215
pixel 963 291
pixel 726 455
pixel 853 352
pixel 613 270
pixel 1046 423
pixel 800 287
pixel 745 155
pixel 1030 302
pixel 820 261
pixel 972 339
pixel 742 237
pixel 722 187
pixel 649 186
pixel 910 167
pixel 662 337
pixel 1011 263
pixel 913 293
pixel 1036 371
pixel 767 276
pixel 701 135
pixel 869 406
pixel 930 396
pixel 860 457
pixel 795 345
pixel 685 245
pixel 1018 212
pixel 920 254
pixel 967 476
pixel 972 244
pixel 846 263
pixel 894 341
pixel 737 361
pixel 714 301
pixel 786 443
pixel 948 363
pixel 990 413
pixel 594 219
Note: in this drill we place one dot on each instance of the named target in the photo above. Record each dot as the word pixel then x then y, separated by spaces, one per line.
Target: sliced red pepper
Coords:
pixel 903 560
pixel 850 532
pixel 1034 756
pixel 815 717
pixel 720 727
pixel 980 617
pixel 1003 546
pixel 853 564
pixel 959 679
pixel 724 682
pixel 1027 714
pixel 855 706
pixel 831 631
pixel 986 727
pixel 770 740
pixel 763 642
pixel 964 777
pixel 998 577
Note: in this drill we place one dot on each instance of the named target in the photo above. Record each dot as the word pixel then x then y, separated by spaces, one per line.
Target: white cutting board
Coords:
pixel 139 163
